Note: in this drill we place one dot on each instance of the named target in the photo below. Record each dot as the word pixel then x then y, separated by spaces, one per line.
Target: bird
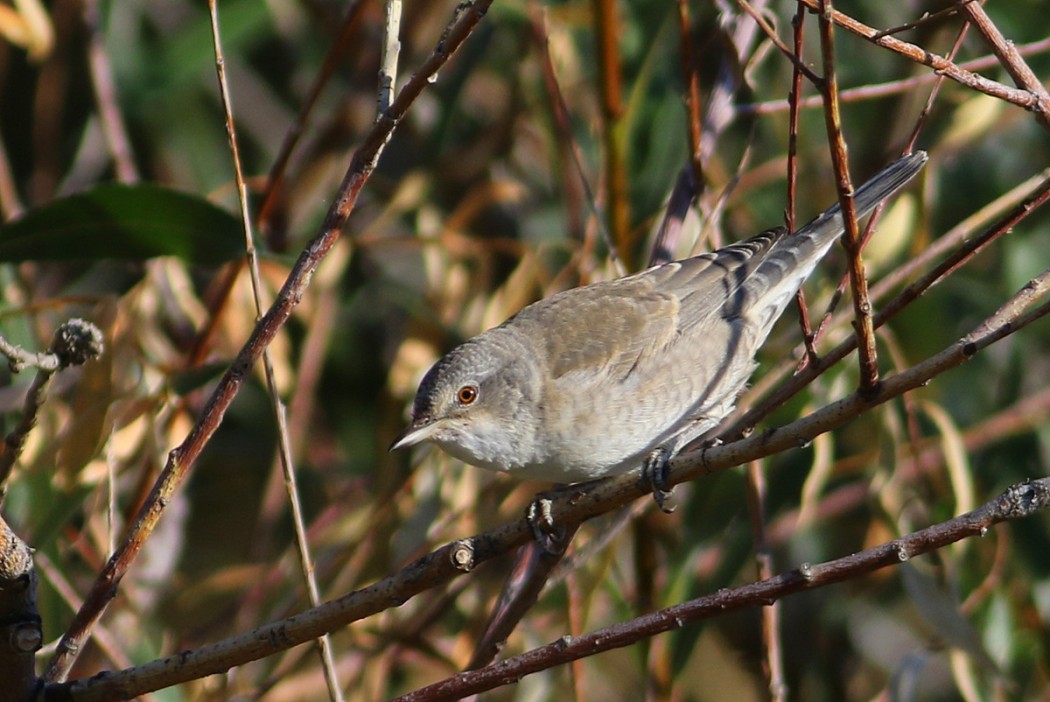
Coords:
pixel 601 379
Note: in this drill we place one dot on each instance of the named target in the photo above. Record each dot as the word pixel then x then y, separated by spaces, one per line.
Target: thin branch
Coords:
pixel 773 660
pixel 796 60
pixel 794 98
pixel 563 130
pixel 1021 98
pixel 277 406
pixel 1010 58
pixel 75 342
pixel 1017 502
pixel 113 128
pixel 865 331
pixel 893 87
pixel 182 458
pixel 607 30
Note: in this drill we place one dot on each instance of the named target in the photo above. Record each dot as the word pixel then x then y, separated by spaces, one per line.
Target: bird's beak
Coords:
pixel 414 433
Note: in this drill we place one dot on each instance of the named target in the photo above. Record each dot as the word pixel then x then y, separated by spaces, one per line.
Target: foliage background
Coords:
pixel 476 209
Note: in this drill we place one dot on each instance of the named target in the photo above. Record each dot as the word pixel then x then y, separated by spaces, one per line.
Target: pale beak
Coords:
pixel 414 433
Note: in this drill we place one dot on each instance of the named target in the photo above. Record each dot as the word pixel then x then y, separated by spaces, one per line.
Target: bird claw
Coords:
pixel 548 535
pixel 654 473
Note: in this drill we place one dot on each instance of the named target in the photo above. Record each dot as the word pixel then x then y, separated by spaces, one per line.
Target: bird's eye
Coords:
pixel 467 394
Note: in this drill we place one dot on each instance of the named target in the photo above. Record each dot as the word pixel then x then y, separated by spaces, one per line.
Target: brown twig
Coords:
pixel 690 179
pixel 1021 98
pixel 920 122
pixel 75 342
pixel 182 458
pixel 607 32
pixel 773 660
pixel 893 87
pixel 865 331
pixel 693 105
pixel 1012 61
pixel 794 99
pixel 276 404
pixel 964 253
pixel 563 130
pixel 113 128
pixel 1017 502
pixel 796 60
pixel 275 178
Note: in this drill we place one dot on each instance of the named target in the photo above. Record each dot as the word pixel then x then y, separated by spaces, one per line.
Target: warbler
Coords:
pixel 597 380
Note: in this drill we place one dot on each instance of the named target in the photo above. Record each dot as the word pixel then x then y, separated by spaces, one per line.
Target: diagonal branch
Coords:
pixel 851 241
pixel 1017 502
pixel 182 458
pixel 1021 98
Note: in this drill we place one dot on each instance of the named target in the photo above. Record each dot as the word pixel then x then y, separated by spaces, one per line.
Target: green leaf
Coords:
pixel 130 222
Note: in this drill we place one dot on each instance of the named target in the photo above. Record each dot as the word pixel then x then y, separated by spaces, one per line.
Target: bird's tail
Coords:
pixel 791 260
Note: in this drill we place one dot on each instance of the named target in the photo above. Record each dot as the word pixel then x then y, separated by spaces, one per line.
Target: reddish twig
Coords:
pixel 894 87
pixel 864 328
pixel 607 32
pixel 1012 61
pixel 182 458
pixel 964 253
pixel 1021 98
pixel 794 99
pixel 773 661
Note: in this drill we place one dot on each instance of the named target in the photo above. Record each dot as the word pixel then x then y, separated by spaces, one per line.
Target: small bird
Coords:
pixel 601 379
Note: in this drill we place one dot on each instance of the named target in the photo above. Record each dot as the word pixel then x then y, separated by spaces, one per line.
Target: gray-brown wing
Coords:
pixel 618 324
pixel 704 284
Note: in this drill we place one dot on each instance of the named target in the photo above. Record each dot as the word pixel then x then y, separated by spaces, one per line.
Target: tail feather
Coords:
pixel 782 272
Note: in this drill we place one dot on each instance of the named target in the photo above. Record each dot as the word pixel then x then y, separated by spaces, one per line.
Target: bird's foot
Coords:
pixel 550 536
pixel 654 473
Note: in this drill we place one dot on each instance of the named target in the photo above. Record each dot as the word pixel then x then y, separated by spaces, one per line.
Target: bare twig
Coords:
pixel 773 662
pixel 279 410
pixel 893 87
pixel 563 129
pixel 181 459
pixel 1011 59
pixel 1017 502
pixel 1021 98
pixel 113 128
pixel 75 342
pixel 607 32
pixel 865 331
pixel 794 98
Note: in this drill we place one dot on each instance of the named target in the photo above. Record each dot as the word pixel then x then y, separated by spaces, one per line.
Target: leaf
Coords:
pixel 130 222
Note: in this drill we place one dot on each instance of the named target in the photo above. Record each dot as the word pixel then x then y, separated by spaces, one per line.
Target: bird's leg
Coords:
pixel 551 536
pixel 654 472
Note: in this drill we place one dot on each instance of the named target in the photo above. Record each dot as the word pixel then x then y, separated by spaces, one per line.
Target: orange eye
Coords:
pixel 467 394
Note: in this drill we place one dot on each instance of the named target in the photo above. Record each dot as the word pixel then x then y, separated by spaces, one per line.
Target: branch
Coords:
pixel 1018 501
pixel 182 458
pixel 74 343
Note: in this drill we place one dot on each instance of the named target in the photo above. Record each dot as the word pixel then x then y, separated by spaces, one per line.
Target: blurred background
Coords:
pixel 476 209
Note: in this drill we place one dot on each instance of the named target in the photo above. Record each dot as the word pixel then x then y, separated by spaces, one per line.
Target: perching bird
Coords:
pixel 594 381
